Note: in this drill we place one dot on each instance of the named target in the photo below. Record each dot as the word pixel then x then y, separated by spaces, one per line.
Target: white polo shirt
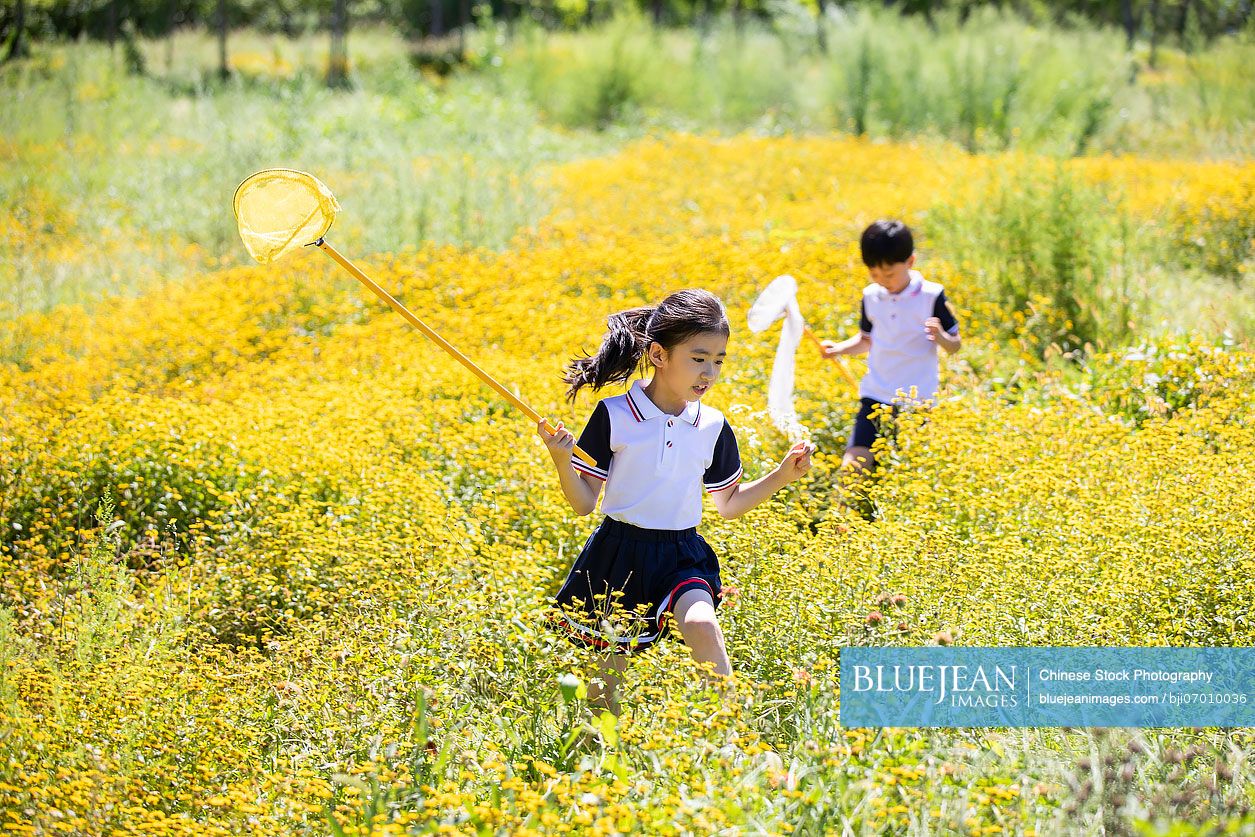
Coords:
pixel 901 354
pixel 655 464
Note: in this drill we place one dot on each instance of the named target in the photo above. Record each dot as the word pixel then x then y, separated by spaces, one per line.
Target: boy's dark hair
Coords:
pixel 886 243
pixel 681 315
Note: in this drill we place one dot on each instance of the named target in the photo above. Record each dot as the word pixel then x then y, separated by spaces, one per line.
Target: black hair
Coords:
pixel 681 315
pixel 886 243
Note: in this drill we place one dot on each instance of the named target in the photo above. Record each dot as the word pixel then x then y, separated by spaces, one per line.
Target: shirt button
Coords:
pixel 670 423
pixel 668 444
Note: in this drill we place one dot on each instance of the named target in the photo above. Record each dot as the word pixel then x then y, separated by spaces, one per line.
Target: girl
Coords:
pixel 656 446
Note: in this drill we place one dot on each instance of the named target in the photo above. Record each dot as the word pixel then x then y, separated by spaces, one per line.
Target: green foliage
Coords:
pixel 133 172
pixel 356 640
pixel 988 81
pixel 1050 251
pixel 1190 24
pixel 1157 380
pixel 101 591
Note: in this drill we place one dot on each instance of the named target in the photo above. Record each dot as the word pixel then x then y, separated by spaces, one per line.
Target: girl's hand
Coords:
pixel 830 348
pixel 561 442
pixel 797 461
pixel 932 327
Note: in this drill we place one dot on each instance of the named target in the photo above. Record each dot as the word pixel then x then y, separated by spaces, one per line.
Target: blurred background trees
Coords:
pixel 23 21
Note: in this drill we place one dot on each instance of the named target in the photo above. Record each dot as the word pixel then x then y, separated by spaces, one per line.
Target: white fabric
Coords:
pixel 771 303
pixel 780 299
pixel 780 389
pixel 901 355
pixel 649 484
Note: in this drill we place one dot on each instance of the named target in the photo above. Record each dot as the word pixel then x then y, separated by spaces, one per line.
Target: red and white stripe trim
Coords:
pixel 636 411
pixel 583 468
pixel 728 483
pixel 598 640
pixel 667 603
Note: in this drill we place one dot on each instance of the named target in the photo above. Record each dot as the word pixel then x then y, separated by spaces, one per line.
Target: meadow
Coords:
pixel 271 563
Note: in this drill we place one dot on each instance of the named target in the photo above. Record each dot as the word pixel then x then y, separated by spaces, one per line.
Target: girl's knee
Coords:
pixel 701 627
pixel 693 605
pixel 695 616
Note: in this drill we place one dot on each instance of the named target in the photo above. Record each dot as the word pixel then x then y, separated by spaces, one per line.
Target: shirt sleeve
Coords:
pixel 941 310
pixel 725 466
pixel 864 324
pixel 595 441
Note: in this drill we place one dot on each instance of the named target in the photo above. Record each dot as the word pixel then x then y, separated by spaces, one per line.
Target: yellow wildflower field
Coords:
pixel 316 603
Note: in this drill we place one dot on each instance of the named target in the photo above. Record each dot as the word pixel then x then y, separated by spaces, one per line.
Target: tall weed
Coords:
pixel 1050 251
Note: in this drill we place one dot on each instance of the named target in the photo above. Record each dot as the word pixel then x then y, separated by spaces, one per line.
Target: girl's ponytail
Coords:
pixel 627 338
pixel 680 316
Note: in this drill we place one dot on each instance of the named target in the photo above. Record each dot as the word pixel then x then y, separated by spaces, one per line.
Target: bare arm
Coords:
pixel 856 345
pixel 580 490
pixel 949 342
pixel 740 498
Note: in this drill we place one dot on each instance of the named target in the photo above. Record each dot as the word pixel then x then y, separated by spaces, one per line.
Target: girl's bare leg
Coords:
pixel 610 669
pixel 694 614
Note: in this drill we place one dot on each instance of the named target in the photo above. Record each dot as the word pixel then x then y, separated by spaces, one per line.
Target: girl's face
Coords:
pixel 691 368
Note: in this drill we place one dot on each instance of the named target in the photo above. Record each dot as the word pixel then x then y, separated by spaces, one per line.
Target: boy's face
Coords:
pixel 893 277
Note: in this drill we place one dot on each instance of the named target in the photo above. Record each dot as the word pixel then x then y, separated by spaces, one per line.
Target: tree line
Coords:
pixel 23 22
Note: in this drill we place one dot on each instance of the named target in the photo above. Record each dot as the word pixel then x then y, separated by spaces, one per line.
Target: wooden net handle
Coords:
pixel 442 343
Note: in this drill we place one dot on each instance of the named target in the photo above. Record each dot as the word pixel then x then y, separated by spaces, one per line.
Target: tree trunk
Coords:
pixel 224 68
pixel 171 5
pixel 464 20
pixel 657 12
pixel 338 60
pixel 1183 20
pixel 113 23
pixel 821 26
pixel 17 46
pixel 1154 33
pixel 437 18
pixel 1130 26
pixel 286 23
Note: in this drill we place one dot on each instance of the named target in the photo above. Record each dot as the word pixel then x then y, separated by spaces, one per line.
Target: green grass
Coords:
pixel 135 174
pixel 990 83
pixel 114 181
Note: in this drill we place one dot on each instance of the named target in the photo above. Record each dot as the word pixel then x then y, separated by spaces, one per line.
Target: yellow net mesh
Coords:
pixel 281 210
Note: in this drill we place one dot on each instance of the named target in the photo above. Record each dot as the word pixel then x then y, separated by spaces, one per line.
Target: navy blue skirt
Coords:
pixel 631 578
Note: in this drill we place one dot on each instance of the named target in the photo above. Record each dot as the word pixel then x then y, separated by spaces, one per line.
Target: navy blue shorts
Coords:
pixel 866 428
pixel 632 578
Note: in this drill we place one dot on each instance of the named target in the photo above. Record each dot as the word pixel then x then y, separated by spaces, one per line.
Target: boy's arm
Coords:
pixel 943 327
pixel 856 345
pixel 947 341
pixel 738 499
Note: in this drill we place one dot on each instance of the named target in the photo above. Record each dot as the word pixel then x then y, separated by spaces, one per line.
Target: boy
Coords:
pixel 903 319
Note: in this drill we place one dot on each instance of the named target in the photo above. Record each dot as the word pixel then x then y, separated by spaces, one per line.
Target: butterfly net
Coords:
pixel 281 210
pixel 779 299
